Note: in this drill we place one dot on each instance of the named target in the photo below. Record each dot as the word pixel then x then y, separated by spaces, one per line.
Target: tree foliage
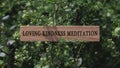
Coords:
pixel 61 54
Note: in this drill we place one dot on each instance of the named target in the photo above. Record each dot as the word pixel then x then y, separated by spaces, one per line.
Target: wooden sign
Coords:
pixel 54 33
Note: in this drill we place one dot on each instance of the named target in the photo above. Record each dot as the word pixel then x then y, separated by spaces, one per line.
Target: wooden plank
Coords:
pixel 54 33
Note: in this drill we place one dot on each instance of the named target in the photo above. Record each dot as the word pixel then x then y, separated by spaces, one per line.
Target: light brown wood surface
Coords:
pixel 54 33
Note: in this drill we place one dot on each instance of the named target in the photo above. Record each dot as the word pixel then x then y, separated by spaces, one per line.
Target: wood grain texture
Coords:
pixel 54 33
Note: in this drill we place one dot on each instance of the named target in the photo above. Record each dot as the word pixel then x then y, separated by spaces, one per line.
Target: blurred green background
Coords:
pixel 61 54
